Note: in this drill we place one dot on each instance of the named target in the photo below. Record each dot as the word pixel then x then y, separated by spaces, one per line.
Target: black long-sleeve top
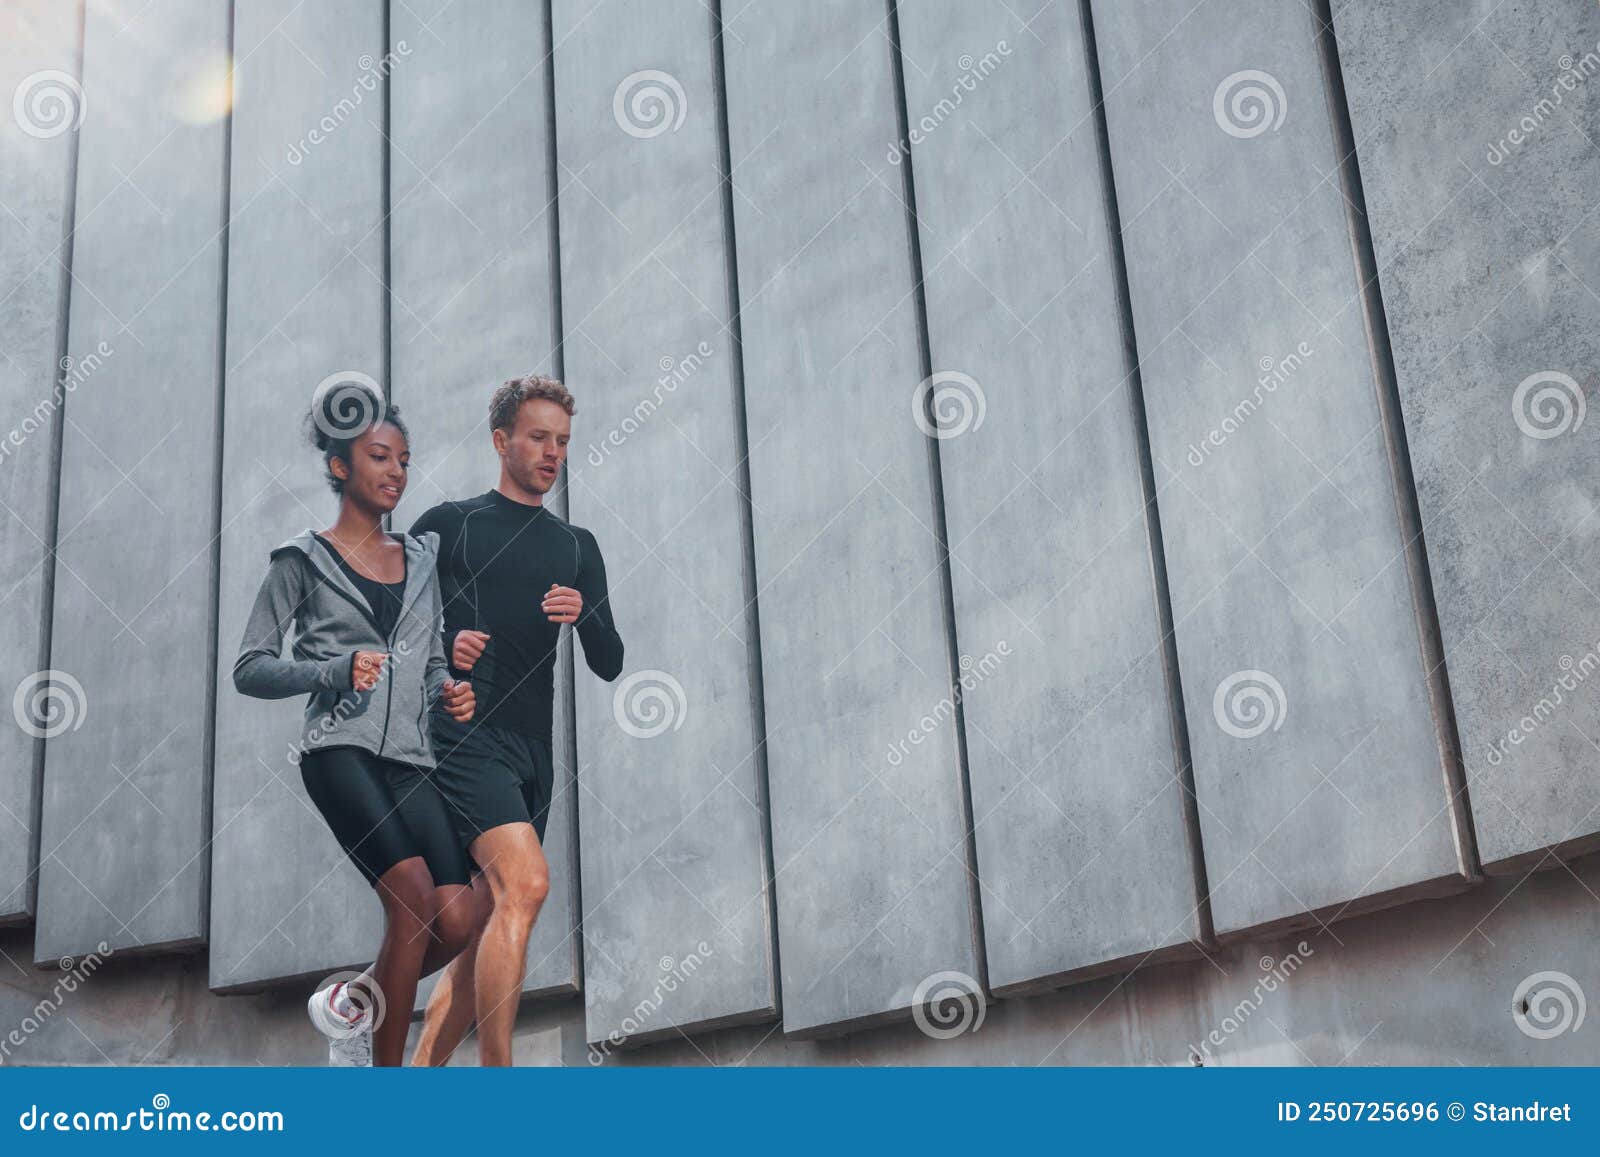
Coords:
pixel 497 560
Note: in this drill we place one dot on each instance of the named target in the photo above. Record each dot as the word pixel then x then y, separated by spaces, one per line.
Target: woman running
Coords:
pixel 368 651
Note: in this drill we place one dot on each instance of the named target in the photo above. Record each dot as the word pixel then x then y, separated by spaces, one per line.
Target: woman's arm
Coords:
pixel 260 670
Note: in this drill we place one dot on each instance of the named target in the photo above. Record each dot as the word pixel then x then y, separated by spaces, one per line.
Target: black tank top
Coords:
pixel 385 599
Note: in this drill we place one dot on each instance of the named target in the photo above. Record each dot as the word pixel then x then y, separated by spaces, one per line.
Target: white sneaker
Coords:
pixel 349 1040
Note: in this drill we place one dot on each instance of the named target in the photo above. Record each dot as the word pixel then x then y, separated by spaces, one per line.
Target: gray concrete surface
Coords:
pixel 1476 131
pixel 672 805
pixel 1428 984
pixel 473 305
pixel 1074 765
pixel 306 300
pixel 36 165
pixel 1284 500
pixel 1321 786
pixel 870 849
pixel 135 573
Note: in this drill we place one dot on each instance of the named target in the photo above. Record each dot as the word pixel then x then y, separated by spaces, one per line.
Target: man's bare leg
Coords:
pixel 453 1002
pixel 519 881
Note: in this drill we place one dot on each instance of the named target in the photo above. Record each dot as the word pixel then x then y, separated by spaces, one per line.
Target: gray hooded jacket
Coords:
pixel 306 587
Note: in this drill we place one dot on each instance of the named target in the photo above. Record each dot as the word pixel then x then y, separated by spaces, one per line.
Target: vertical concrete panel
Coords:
pixel 672 816
pixel 127 787
pixel 1322 786
pixel 869 841
pixel 472 273
pixel 1476 130
pixel 305 300
pixel 1078 803
pixel 39 60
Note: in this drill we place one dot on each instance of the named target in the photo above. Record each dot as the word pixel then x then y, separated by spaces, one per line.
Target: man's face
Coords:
pixel 536 446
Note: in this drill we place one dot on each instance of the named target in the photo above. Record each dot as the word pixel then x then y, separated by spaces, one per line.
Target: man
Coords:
pixel 510 574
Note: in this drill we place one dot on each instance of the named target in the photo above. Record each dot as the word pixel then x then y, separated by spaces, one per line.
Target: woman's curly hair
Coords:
pixel 341 414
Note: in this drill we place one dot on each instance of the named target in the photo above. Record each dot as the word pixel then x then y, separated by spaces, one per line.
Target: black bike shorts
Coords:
pixel 382 811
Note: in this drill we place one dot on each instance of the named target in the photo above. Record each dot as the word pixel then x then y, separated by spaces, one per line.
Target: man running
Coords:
pixel 510 573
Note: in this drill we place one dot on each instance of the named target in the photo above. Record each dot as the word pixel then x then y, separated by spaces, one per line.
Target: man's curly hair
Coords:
pixel 508 399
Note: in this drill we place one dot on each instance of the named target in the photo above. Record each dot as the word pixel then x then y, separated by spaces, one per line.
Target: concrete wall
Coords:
pixel 1002 434
pixel 1321 780
pixel 39 60
pixel 1480 206
pixel 673 812
pixel 126 815
pixel 871 851
pixel 1076 770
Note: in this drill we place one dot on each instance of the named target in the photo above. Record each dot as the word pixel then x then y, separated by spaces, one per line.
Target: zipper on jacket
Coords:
pixel 405 609
pixel 383 736
pixel 388 704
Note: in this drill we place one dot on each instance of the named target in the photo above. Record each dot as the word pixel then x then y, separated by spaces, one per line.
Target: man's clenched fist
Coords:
pixel 468 647
pixel 562 604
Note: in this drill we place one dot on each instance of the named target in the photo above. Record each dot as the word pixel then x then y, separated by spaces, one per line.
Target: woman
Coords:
pixel 369 653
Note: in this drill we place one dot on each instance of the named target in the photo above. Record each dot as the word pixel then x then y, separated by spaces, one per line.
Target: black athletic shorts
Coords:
pixel 382 812
pixel 491 776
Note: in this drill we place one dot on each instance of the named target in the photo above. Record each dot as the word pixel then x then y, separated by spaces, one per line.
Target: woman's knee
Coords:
pixel 459 918
pixel 407 893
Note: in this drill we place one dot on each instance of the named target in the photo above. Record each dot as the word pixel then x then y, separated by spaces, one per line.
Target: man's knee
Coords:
pixel 537 885
pixel 514 865
pixel 522 894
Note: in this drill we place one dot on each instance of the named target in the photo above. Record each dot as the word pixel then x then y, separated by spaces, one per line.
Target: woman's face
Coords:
pixel 376 473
